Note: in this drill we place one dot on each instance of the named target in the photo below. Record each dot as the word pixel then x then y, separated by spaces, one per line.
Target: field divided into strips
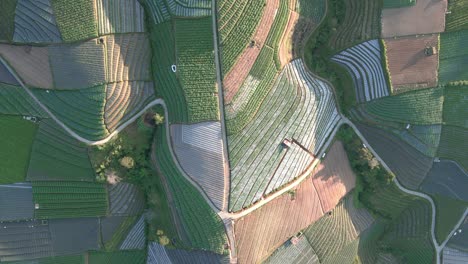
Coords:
pixel 20 241
pixel 31 64
pixel 364 63
pixel 76 19
pixel 81 110
pixel 125 199
pixel 78 65
pixel 15 101
pixel 158 254
pixel 410 235
pixel 398 3
pixel 298 107
pixel 423 138
pixel 35 22
pixel 457 19
pixel 16 140
pixel 454 256
pixel 453 145
pixel 128 58
pixel 419 107
pixel 199 150
pixel 243 107
pixel 190 8
pixel 361 22
pixel 136 237
pixel 409 66
pixel 157 10
pixel 7 13
pixel 114 229
pixel 167 83
pixel 333 178
pixel 124 100
pixel 203 227
pixel 117 257
pixel 453 56
pixel 57 156
pixel 196 67
pixel 16 202
pixel 259 233
pixel 409 165
pixel 6 77
pixel 119 16
pixel 368 250
pixel 460 240
pixel 69 199
pixel 301 252
pixel 72 259
pixel 456 106
pixel 311 9
pixel 237 22
pixel 333 235
pixel 246 60
pixel 277 31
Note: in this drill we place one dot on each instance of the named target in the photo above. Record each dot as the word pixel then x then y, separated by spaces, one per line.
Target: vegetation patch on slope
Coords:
pixel 7 13
pixel 76 19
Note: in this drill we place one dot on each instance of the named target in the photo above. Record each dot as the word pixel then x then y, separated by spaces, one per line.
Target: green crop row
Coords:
pixel 119 236
pixel 453 57
pixel 204 228
pixel 456 106
pixel 453 145
pixel 458 17
pixel 76 19
pixel 312 9
pixel 15 101
pixel 277 29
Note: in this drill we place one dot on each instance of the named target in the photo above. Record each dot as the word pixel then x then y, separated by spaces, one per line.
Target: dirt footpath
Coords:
pixel 427 16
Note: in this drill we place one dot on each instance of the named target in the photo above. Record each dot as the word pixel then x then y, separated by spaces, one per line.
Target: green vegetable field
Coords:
pixel 453 145
pixel 456 106
pixel 453 57
pixel 75 19
pixel 458 18
pixel 7 13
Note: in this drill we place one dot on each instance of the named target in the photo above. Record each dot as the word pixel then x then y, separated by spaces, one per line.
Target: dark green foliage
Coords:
pixel 203 227
pixel 7 16
pixel 76 19
pixel 69 199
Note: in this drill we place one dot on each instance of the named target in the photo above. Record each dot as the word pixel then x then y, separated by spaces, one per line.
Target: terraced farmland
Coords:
pixel 190 8
pixel 334 234
pixel 35 22
pixel 122 16
pixel 301 252
pixel 259 233
pixel 454 256
pixel 453 145
pixel 75 19
pixel 31 64
pixel 125 199
pixel 409 165
pixel 158 10
pixel 364 64
pixel 17 138
pixel 158 254
pixel 78 65
pixel 204 228
pixel 124 100
pixel 15 101
pixel 117 257
pixel 128 58
pixel 114 229
pixel 306 115
pixel 457 19
pixel 16 202
pixel 69 199
pixel 237 22
pixel 7 13
pixel 166 82
pixel 409 66
pixel 423 138
pixel 398 3
pixel 81 110
pixel 420 107
pixel 313 10
pixel 361 23
pixel 73 259
pixel 453 56
pixel 136 237
pixel 199 150
pixel 196 68
pixel 455 106
pixel 57 156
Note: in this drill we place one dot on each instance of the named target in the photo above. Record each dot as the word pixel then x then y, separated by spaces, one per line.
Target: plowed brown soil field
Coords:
pixel 234 79
pixel 409 66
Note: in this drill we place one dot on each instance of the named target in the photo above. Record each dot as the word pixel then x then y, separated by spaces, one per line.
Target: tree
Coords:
pixel 127 162
pixel 158 119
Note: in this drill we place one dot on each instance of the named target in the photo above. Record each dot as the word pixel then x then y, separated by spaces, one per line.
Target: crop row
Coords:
pixel 277 29
pixel 136 238
pixel 125 199
pixel 453 57
pixel 57 156
pixel 423 138
pixel 311 9
pixel 119 16
pixel 361 22
pixel 166 82
pixel 75 19
pixel 455 106
pixel 35 22
pixel 15 101
pixel 364 64
pixel 453 145
pixel 458 17
pixel 81 110
pixel 307 114
pixel 196 67
pixel 68 199
pixel 117 257
pixel 237 23
pixel 203 227
pixel 301 252
pixel 398 3
pixel 158 10
pixel 159 254
pixel 191 8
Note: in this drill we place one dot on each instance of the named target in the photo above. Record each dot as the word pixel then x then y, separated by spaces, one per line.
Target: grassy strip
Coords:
pixel 277 29
pixel 383 54
pixel 17 136
pixel 7 14
pixel 76 19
